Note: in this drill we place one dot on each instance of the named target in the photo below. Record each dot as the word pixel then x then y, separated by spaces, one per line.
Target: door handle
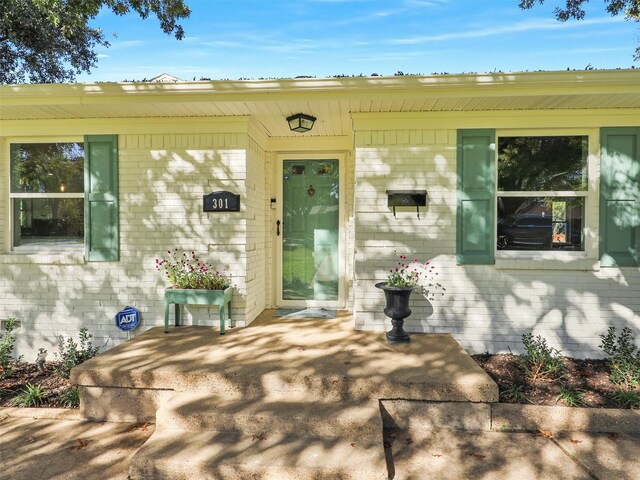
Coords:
pixel 278 228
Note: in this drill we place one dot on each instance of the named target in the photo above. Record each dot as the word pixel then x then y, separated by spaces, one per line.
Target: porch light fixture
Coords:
pixel 301 122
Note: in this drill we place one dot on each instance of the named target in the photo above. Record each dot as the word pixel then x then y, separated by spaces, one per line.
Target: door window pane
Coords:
pixel 310 230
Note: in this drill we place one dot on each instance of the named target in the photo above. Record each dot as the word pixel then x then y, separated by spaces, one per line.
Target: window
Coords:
pixel 47 196
pixel 542 190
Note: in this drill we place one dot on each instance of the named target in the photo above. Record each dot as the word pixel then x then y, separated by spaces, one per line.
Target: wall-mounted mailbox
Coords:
pixel 407 198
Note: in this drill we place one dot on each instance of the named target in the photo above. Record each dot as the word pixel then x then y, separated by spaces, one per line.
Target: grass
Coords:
pixel 628 398
pixel 514 392
pixel 572 397
pixel 31 396
pixel 71 398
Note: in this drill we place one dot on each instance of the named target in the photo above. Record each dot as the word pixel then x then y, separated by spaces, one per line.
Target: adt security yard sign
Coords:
pixel 127 319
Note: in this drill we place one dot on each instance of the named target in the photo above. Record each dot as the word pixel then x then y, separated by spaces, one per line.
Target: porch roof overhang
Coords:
pixel 332 100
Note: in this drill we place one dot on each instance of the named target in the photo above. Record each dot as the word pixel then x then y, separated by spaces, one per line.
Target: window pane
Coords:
pixel 542 163
pixel 540 223
pixel 47 168
pixel 48 221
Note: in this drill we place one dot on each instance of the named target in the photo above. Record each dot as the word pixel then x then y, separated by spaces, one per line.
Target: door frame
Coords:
pixel 342 230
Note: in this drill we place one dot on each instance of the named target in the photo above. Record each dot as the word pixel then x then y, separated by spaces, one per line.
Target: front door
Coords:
pixel 310 233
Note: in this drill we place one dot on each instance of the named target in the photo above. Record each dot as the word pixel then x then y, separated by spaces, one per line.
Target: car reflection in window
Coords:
pixel 527 230
pixel 542 223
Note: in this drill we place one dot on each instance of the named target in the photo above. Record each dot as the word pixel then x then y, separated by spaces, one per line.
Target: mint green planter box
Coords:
pixel 179 296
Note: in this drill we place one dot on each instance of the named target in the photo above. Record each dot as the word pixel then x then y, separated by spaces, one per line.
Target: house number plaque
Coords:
pixel 221 201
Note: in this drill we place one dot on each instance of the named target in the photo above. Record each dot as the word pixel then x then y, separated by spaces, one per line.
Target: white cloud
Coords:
pixel 425 3
pixel 392 56
pixel 127 44
pixel 520 27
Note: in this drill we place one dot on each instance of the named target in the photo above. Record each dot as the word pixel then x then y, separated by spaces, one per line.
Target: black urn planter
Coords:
pixel 397 309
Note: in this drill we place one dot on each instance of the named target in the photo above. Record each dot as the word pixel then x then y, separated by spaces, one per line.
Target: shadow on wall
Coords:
pixel 160 208
pixel 485 308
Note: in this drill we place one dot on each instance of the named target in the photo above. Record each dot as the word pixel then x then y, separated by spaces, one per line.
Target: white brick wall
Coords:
pixel 161 179
pixel 484 307
pixel 257 201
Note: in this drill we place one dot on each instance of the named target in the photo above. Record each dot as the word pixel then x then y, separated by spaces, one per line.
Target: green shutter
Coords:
pixel 476 226
pixel 619 197
pixel 101 198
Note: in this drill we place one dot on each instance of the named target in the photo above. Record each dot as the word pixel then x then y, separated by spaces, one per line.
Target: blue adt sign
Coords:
pixel 127 319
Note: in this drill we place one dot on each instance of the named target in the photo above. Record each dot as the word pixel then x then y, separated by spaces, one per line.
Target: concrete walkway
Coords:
pixel 523 456
pixel 44 448
pixel 301 399
pixel 32 448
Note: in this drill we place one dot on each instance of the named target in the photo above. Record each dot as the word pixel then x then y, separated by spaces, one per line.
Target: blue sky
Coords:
pixel 254 39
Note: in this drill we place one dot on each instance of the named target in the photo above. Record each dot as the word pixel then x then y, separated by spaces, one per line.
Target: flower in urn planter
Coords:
pixel 410 273
pixel 401 281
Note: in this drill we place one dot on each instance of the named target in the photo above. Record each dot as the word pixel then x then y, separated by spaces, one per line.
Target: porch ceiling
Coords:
pixel 332 100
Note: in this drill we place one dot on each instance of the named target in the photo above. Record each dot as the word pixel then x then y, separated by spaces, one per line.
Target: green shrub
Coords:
pixel 624 357
pixel 72 354
pixel 31 396
pixel 6 349
pixel 572 397
pixel 540 360
pixel 628 398
pixel 71 398
pixel 513 392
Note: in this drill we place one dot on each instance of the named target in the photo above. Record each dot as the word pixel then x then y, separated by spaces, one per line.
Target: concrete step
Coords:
pixel 422 418
pixel 449 455
pixel 177 455
pixel 321 360
pixel 205 411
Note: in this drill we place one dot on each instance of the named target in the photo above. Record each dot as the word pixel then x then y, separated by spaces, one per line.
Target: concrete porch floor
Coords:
pixel 275 358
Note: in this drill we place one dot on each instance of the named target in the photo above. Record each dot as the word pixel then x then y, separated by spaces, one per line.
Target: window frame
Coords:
pixel 591 194
pixel 10 196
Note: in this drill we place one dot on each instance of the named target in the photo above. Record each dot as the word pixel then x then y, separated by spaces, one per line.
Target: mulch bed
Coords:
pixel 589 376
pixel 23 373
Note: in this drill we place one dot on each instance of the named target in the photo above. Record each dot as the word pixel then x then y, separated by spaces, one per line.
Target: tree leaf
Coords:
pixel 81 444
